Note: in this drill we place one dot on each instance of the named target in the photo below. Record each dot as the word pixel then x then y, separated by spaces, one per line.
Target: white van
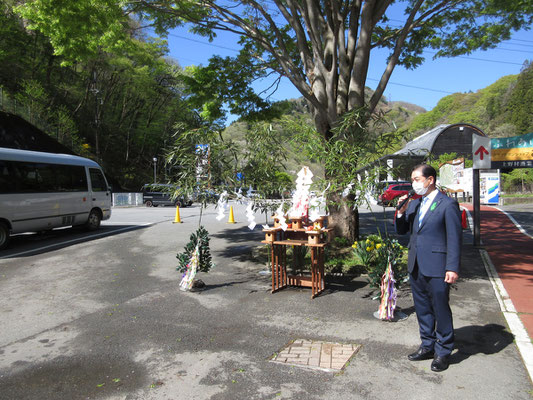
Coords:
pixel 42 191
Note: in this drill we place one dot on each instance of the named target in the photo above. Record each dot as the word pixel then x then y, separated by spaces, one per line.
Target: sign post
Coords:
pixel 481 155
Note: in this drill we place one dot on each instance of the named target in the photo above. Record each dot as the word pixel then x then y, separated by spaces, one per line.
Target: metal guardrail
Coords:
pixel 127 199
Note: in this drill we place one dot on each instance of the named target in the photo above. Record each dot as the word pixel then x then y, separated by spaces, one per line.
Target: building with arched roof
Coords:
pixel 455 138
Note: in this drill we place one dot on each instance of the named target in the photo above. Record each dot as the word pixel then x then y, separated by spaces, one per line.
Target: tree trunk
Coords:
pixel 344 218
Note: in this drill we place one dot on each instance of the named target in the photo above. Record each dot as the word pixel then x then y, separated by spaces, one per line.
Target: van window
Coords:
pixel 30 177
pixel 97 180
pixel 70 178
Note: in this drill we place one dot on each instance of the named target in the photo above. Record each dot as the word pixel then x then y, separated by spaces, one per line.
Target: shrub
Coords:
pixel 200 237
pixel 376 252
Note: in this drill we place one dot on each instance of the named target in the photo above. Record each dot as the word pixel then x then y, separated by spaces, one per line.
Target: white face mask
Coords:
pixel 419 188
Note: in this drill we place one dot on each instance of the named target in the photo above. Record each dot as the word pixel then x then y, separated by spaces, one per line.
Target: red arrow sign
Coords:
pixel 481 151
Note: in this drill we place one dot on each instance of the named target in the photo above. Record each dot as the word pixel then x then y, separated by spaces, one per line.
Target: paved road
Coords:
pixel 102 318
pixel 523 214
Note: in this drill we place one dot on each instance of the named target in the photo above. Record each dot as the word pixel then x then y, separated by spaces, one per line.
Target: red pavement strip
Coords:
pixel 511 252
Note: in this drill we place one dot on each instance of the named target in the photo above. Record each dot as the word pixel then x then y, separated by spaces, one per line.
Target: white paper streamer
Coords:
pixel 346 191
pixel 240 197
pixel 222 205
pixel 317 207
pixel 250 215
pixel 300 199
pixel 282 221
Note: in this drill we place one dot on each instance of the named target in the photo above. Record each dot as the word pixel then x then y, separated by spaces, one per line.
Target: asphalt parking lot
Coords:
pixel 102 318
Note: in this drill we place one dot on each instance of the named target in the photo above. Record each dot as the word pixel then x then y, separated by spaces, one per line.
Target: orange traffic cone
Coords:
pixel 231 219
pixel 177 220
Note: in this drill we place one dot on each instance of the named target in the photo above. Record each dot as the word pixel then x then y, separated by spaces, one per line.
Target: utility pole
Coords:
pixel 155 168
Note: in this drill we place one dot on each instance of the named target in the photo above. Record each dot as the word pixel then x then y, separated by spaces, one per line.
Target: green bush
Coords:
pixel 200 237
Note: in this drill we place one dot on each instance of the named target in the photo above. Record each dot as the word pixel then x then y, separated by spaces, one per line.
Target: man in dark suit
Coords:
pixel 434 221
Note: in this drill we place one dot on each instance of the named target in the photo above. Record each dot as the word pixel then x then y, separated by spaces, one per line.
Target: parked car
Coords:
pixel 159 194
pixel 208 195
pixel 393 191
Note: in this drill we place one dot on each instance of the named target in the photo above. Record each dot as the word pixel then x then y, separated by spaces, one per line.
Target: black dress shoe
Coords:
pixel 440 363
pixel 421 354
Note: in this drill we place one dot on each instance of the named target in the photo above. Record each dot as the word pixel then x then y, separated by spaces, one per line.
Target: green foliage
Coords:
pixel 225 82
pixel 375 252
pixel 519 109
pixel 82 30
pixel 200 238
pixel 345 151
pixel 262 161
pixel 501 109
pixel 296 47
pixel 198 172
pixel 339 258
pixel 518 180
pixel 117 105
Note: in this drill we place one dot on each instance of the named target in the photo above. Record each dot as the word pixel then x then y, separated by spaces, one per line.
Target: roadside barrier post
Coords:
pixel 177 220
pixel 231 219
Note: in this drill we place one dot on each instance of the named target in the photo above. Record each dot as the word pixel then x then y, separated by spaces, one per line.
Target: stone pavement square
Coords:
pixel 316 354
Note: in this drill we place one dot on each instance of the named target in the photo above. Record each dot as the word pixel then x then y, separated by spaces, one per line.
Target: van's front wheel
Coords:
pixel 93 222
pixel 4 235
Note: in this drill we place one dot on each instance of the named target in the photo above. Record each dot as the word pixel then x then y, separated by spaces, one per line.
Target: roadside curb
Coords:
pixel 523 342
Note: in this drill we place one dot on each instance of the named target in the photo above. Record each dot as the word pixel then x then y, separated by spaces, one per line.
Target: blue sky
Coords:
pixel 424 86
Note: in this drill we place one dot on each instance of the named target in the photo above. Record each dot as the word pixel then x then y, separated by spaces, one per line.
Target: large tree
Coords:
pixel 323 47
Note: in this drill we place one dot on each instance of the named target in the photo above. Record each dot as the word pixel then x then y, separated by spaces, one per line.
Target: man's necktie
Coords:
pixel 422 211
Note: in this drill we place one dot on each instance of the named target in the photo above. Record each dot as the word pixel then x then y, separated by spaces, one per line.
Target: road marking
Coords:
pixel 514 221
pixel 85 238
pixel 134 223
pixel 523 342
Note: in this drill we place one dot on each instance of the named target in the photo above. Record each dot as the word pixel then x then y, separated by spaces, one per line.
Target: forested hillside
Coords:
pixel 295 115
pixel 502 109
pixel 118 108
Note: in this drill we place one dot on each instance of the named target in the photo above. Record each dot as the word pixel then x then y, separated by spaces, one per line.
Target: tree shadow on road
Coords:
pixel 240 235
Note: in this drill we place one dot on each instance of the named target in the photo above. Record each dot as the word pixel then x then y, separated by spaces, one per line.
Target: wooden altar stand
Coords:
pixel 297 238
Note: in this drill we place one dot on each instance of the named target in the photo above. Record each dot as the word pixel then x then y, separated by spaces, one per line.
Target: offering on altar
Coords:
pixel 297 223
pixel 270 234
pixel 314 236
pixel 317 227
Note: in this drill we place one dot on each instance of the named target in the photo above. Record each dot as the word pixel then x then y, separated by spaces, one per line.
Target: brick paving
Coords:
pixel 316 354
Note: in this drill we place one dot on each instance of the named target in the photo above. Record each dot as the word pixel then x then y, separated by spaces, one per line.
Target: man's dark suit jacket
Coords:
pixel 436 244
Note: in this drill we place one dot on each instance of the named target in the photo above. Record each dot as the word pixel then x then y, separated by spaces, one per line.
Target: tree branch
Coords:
pixel 393 60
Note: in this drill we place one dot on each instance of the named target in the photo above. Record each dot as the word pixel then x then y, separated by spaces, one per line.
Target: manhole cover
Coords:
pixel 316 354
